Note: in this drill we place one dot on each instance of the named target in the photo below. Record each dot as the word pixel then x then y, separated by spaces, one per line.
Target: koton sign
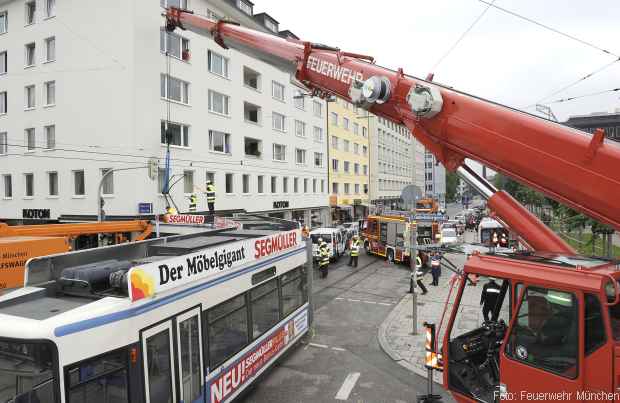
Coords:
pixel 149 279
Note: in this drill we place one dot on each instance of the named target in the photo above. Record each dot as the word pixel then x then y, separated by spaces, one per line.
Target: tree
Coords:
pixel 452 183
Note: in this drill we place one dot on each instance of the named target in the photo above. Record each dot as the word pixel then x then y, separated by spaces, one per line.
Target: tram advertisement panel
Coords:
pixel 149 279
pixel 234 377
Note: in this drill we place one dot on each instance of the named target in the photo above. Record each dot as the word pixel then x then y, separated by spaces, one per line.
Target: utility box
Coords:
pixel 15 252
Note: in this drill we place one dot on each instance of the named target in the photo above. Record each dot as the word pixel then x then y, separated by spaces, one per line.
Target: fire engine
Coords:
pixel 387 235
pixel 427 205
pixel 561 334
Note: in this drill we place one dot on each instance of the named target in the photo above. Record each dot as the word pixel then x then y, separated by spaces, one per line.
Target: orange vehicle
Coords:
pixel 427 205
pixel 387 235
pixel 21 242
pixel 553 330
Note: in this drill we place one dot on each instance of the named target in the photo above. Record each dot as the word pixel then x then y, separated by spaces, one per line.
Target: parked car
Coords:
pixel 449 236
pixel 334 238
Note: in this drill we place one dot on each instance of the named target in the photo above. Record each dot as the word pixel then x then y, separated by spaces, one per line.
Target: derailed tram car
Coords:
pixel 190 318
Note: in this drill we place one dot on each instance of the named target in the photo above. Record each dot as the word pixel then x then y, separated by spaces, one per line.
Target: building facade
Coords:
pixel 78 99
pixel 349 156
pixel 609 122
pixel 393 164
pixel 434 179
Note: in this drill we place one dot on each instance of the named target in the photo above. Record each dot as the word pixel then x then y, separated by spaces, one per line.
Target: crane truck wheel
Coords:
pixel 390 255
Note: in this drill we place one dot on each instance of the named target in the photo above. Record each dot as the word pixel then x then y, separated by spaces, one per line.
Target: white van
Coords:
pixel 336 242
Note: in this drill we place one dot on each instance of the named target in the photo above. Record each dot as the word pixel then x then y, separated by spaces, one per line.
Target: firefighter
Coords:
pixel 494 241
pixel 171 211
pixel 435 268
pixel 488 298
pixel 420 273
pixel 503 241
pixel 323 258
pixel 355 251
pixel 210 190
pixel 193 202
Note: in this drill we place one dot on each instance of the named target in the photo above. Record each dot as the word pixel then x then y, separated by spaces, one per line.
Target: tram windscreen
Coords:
pixel 26 372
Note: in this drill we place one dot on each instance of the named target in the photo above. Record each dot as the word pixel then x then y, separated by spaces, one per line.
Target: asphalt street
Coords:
pixel 342 359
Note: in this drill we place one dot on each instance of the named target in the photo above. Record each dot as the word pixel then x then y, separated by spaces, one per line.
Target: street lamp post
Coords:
pixel 368 116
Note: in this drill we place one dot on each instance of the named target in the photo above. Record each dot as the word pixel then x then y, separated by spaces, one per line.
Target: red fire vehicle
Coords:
pixel 387 235
pixel 560 339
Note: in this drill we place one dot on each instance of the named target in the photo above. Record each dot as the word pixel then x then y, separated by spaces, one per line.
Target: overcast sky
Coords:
pixel 503 58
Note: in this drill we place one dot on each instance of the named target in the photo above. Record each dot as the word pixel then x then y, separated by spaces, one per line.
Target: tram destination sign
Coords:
pixel 150 279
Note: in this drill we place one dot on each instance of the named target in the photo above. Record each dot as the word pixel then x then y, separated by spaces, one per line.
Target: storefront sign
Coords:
pixel 36 213
pixel 145 208
pixel 150 279
pixel 281 204
pixel 184 219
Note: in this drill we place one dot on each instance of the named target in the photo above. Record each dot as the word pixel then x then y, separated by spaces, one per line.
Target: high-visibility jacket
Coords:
pixel 495 239
pixel 503 241
pixel 171 211
pixel 193 201
pixel 355 248
pixel 323 256
pixel 418 262
pixel 210 193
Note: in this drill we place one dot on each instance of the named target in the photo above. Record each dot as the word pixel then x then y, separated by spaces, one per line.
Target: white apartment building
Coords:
pixel 86 90
pixel 392 161
pixel 434 179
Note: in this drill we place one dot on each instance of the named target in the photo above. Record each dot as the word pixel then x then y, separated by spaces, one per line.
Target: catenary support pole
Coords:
pixel 412 259
pixel 310 280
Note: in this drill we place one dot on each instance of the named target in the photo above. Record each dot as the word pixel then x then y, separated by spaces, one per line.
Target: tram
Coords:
pixel 190 318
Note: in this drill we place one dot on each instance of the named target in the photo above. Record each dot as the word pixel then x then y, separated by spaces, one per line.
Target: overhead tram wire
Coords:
pixel 463 35
pixel 557 101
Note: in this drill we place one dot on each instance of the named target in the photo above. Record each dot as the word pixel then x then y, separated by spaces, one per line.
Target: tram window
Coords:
pixel 228 329
pixel 189 337
pixel 99 380
pixel 27 372
pixel 293 295
pixel 594 327
pixel 160 373
pixel 546 331
pixel 265 307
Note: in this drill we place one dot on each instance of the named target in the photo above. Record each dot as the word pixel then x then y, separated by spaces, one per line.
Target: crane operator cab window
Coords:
pixel 476 335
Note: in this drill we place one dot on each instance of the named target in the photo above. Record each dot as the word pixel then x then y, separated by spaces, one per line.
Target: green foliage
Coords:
pixel 452 183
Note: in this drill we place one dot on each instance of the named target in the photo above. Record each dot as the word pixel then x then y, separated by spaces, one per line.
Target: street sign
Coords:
pixel 145 208
pixel 411 193
pixel 430 217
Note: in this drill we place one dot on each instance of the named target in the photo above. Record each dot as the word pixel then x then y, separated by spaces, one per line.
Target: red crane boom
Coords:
pixel 568 165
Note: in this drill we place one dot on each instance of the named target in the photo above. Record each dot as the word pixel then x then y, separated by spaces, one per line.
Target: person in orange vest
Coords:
pixel 503 241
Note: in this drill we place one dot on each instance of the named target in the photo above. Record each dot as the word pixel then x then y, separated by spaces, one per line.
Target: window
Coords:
pixel 277 91
pixel 50 137
pixel 190 351
pixel 4 22
pixel 356 128
pixel 305 185
pixel 364 132
pixel 218 64
pixel 30 97
pixel 546 333
pixel 594 331
pixel 278 122
pixel 364 150
pixel 345 145
pixel 318 160
pixel 322 185
pixel 365 169
pixel 50 8
pixel 335 165
pixel 29 180
pixel 335 188
pixel 3 102
pixel 228 329
pixel 178 134
pixel 78 183
pixel 8 186
pixel 253 147
pixel 188 182
pixel 218 103
pixel 251 113
pixel 245 7
pixel 230 183
pixel 174 45
pixel 174 89
pixel 347 188
pixel 279 152
pixel 300 128
pixel 346 166
pixel 271 25
pixel 251 78
pixel 299 101
pixel 4 146
pixel 31 11
pixel 356 148
pixel 318 134
pixel 104 378
pixel 210 177
pixel 259 181
pixel 356 168
pixel 313 185
pixel 219 141
pixel 300 156
pixel 3 61
pixel 345 123
pixel 357 188
pixel 31 143
pixel 50 49
pixel 182 4
pixel 333 118
pixel 292 290
pixel 317 109
pixel 296 185
pixel 274 184
pixel 30 54
pixel 161 179
pixel 50 93
pixel 334 142
pixel 265 307
pixel 107 187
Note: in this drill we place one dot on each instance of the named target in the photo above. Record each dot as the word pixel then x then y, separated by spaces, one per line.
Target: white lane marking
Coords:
pixel 318 345
pixel 338 349
pixel 347 386
pixel 354 300
pixel 369 302
pixel 384 303
pixel 338 298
